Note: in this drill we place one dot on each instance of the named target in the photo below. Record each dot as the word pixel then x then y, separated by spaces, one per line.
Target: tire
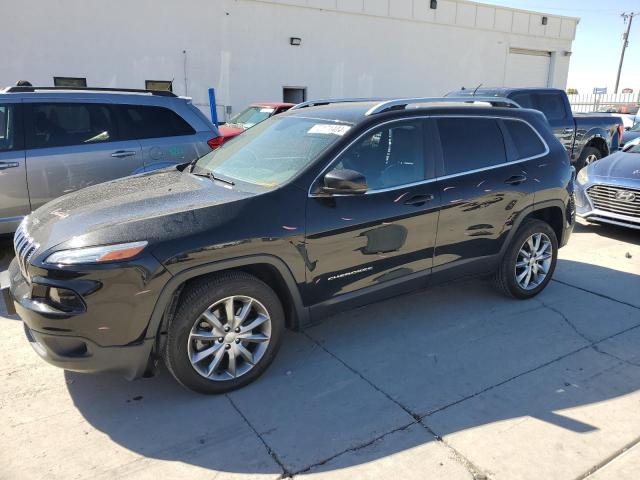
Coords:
pixel 588 156
pixel 192 335
pixel 506 278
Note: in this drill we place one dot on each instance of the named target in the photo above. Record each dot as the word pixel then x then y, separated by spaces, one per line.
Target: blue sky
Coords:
pixel 596 49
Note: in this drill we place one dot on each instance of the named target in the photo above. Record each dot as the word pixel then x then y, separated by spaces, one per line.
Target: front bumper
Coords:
pixel 82 355
pixel 586 209
pixel 108 334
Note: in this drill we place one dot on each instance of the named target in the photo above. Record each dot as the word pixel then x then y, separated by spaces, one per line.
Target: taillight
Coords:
pixel 620 132
pixel 215 142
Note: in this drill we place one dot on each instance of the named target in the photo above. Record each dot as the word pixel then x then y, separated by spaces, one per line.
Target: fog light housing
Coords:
pixel 65 300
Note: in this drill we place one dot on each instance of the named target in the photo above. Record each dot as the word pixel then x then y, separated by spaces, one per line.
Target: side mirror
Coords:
pixel 340 181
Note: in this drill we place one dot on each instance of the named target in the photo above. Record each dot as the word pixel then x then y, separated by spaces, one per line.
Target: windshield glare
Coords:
pixel 251 116
pixel 274 151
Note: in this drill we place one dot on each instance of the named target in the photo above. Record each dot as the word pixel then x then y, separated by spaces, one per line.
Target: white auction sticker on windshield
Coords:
pixel 267 110
pixel 327 129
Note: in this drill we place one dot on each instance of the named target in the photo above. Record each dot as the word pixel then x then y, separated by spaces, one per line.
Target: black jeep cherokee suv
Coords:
pixel 323 208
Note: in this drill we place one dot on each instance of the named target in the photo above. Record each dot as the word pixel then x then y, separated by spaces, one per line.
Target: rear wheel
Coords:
pixel 529 262
pixel 588 156
pixel 226 332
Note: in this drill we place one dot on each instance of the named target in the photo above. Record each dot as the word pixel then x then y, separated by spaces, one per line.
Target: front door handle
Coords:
pixel 123 153
pixel 516 179
pixel 419 200
pixel 5 165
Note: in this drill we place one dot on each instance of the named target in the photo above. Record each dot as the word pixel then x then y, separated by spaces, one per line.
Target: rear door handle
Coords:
pixel 516 179
pixel 123 153
pixel 419 200
pixel 5 165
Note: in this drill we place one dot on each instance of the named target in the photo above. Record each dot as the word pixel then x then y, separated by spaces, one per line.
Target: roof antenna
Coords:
pixel 474 92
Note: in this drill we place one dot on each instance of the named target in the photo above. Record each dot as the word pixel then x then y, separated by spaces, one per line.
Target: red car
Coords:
pixel 255 113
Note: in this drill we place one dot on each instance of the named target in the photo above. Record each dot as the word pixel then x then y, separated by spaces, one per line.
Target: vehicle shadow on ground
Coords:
pixel 454 362
pixel 614 232
pixel 6 252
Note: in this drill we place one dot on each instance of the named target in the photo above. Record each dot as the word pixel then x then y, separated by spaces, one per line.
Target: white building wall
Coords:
pixel 241 47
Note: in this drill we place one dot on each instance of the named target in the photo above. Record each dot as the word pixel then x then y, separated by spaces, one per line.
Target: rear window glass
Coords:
pixel 551 104
pixel 525 140
pixel 139 122
pixel 470 143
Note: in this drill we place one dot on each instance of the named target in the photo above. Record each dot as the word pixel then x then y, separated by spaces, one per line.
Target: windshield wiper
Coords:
pixel 211 176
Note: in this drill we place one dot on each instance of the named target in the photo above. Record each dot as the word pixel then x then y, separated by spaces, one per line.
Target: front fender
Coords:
pixel 178 280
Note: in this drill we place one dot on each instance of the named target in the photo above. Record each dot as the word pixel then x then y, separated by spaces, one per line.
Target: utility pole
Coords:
pixel 625 43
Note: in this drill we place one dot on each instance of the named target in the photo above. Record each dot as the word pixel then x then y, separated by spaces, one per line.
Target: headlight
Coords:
pixel 103 254
pixel 583 177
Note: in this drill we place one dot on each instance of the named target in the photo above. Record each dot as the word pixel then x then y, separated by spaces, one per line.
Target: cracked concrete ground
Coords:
pixel 454 382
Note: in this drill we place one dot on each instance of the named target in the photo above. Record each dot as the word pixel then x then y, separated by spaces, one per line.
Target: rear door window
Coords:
pixel 66 124
pixel 140 121
pixel 470 143
pixel 525 140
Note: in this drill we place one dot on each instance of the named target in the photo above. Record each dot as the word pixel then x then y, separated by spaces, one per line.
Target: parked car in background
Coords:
pixel 250 116
pixel 628 113
pixel 586 137
pixel 57 140
pixel 631 136
pixel 308 213
pixel 609 190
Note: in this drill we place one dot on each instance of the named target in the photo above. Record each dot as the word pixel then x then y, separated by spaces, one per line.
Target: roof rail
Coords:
pixel 329 101
pixel 160 93
pixel 404 102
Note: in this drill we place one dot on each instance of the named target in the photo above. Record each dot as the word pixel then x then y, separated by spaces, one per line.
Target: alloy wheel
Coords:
pixel 533 261
pixel 229 338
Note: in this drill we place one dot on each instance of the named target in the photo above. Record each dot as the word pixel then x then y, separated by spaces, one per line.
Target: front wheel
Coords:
pixel 226 332
pixel 529 262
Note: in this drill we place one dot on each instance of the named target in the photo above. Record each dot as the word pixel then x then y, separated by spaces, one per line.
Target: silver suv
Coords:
pixel 55 140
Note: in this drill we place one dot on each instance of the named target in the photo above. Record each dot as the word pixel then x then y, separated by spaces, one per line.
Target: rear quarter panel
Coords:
pixel 590 127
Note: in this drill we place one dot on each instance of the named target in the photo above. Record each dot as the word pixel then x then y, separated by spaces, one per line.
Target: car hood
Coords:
pixel 230 132
pixel 153 206
pixel 618 165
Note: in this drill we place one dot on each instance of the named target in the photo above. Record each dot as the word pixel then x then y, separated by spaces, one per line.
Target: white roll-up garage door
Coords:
pixel 527 68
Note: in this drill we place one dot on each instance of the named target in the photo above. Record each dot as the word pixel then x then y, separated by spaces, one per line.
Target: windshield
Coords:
pixel 635 128
pixel 274 151
pixel 251 116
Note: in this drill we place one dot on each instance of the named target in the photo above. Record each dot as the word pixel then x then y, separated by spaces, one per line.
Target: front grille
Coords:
pixel 607 198
pixel 25 247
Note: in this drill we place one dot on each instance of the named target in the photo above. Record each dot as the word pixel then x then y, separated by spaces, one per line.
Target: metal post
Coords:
pixel 212 106
pixel 625 43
